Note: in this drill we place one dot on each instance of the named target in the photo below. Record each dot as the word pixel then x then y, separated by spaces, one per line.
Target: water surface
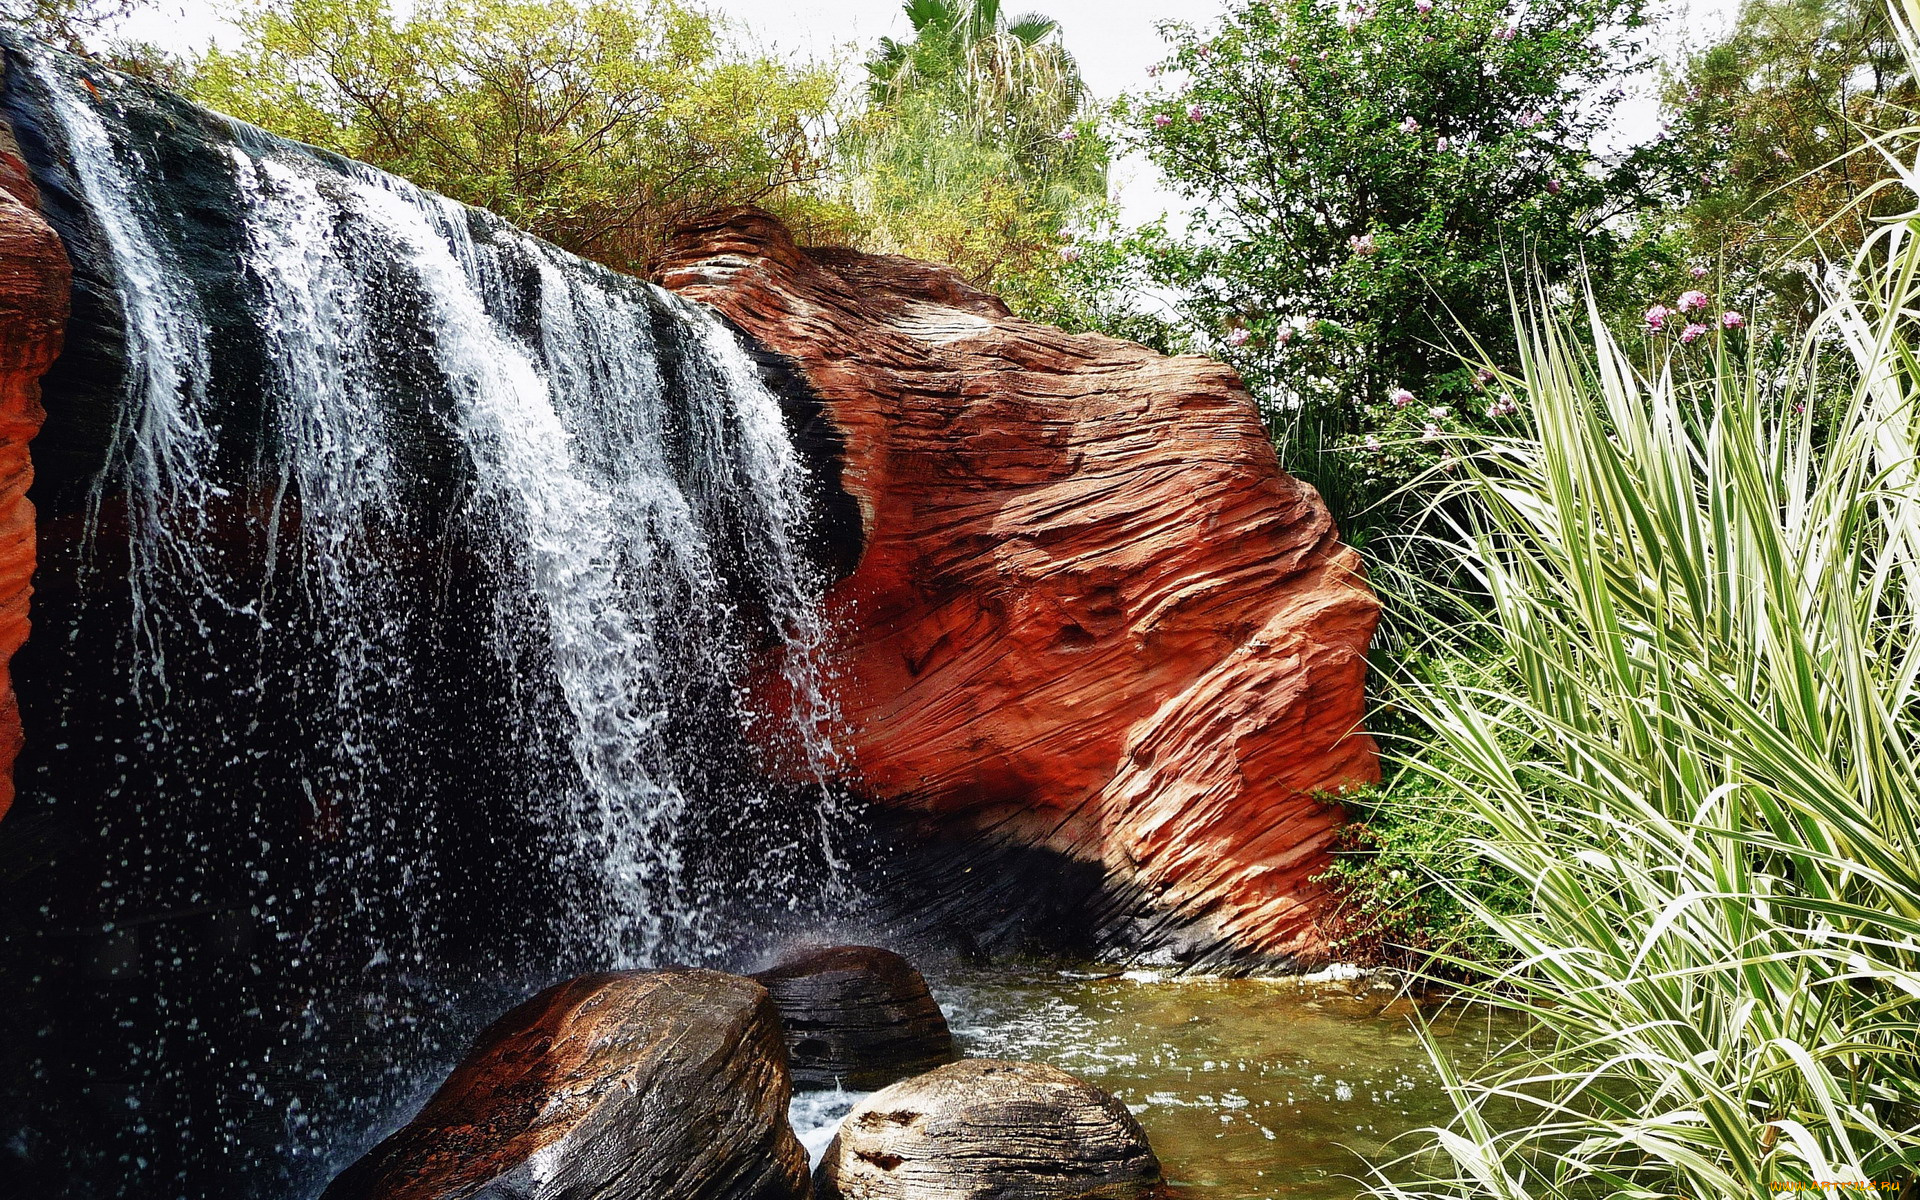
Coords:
pixel 1249 1089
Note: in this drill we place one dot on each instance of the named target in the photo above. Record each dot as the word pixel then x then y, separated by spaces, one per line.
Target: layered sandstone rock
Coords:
pixel 858 1017
pixel 34 278
pixel 666 1084
pixel 1092 612
pixel 989 1129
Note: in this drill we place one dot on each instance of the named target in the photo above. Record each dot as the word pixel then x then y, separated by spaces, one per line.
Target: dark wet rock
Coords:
pixel 989 1129
pixel 857 1016
pixel 667 1085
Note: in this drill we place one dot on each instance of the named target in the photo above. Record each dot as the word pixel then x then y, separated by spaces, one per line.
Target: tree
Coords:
pixel 597 124
pixel 979 148
pixel 1776 119
pixel 1363 180
pixel 70 24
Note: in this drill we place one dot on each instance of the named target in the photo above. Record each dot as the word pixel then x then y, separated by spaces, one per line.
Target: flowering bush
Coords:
pixel 1366 174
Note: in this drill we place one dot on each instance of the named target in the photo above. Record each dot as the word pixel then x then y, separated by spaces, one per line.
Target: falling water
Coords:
pixel 405 658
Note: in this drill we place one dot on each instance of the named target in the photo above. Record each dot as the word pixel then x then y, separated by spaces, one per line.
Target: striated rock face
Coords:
pixel 670 1085
pixel 1092 612
pixel 989 1129
pixel 857 1017
pixel 34 280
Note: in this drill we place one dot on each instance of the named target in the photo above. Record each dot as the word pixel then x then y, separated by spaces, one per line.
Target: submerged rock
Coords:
pixel 989 1129
pixel 857 1016
pixel 668 1085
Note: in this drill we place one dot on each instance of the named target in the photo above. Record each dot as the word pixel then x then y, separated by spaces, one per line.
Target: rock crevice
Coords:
pixel 34 289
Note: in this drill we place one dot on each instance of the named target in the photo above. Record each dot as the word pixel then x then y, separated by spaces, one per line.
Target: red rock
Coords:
pixel 1092 611
pixel 34 283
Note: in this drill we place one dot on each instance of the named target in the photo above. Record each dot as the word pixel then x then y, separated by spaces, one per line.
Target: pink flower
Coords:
pixel 1153 71
pixel 1196 113
pixel 1205 52
pixel 1423 7
pixel 1531 118
pixel 1799 406
pixel 1440 144
pixel 1284 336
pixel 1293 60
pixel 1483 377
pixel 1692 333
pixel 1409 126
pixel 1401 397
pixel 1373 444
pixel 1238 337
pixel 1068 134
pixel 1351 19
pixel 1070 254
pixel 1657 318
pixel 1553 187
pixel 1697 272
pixel 1438 412
pixel 1692 300
pixel 1161 120
pixel 1732 320
pixel 1780 152
pixel 1362 245
pixel 1431 432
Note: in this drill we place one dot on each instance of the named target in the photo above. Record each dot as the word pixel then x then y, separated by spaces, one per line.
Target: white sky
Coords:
pixel 1115 41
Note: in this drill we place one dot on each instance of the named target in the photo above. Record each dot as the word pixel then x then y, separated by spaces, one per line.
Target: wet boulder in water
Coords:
pixel 988 1128
pixel 669 1085
pixel 858 1017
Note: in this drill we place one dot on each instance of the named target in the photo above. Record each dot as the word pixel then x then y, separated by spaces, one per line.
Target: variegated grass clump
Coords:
pixel 1710 593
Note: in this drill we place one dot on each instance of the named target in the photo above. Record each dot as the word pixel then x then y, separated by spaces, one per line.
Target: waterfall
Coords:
pixel 406 654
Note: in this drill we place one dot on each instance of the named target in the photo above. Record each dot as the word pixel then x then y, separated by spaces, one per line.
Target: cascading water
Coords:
pixel 397 653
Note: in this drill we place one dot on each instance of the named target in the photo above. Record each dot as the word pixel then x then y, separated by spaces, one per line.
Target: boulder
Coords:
pixel 34 282
pixel 987 1128
pixel 1091 613
pixel 668 1085
pixel 858 1017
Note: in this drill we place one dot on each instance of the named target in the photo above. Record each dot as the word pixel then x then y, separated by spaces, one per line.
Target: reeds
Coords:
pixel 1707 587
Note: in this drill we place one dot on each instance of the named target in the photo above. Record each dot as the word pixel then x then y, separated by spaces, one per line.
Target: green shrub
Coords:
pixel 1406 853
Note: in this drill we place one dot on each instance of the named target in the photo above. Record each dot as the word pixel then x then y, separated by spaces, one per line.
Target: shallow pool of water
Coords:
pixel 1249 1089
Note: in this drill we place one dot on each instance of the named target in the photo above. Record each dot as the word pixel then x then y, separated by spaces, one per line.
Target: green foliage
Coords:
pixel 1710 597
pixel 1406 854
pixel 1363 179
pixel 978 150
pixel 597 124
pixel 1774 122
pixel 73 25
pixel 91 28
